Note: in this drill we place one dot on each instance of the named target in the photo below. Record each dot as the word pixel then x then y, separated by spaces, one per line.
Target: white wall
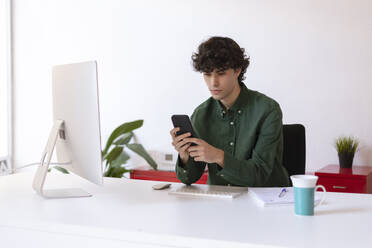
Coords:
pixel 313 57
pixel 3 80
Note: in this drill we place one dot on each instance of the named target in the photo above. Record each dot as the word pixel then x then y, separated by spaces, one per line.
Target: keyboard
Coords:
pixel 209 191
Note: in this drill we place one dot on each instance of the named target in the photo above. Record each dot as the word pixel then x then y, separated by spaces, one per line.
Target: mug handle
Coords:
pixel 323 195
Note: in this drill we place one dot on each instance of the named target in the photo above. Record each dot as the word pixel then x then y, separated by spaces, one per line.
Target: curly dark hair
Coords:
pixel 220 53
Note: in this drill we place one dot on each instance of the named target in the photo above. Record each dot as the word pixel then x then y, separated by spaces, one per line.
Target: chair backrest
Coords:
pixel 294 144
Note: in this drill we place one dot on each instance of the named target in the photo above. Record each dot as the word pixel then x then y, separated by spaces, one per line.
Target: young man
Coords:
pixel 239 130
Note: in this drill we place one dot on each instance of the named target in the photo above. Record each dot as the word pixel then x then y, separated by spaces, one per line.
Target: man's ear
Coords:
pixel 238 71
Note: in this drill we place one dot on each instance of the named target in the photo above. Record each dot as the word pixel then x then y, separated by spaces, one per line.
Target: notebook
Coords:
pixel 270 196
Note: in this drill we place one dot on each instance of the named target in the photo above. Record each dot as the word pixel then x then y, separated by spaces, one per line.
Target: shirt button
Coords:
pixel 231 143
pixel 239 111
pixel 232 123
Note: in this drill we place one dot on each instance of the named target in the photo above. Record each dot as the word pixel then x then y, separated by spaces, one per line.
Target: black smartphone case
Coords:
pixel 184 123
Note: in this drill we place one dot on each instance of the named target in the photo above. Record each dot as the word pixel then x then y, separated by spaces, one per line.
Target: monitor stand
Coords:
pixel 42 170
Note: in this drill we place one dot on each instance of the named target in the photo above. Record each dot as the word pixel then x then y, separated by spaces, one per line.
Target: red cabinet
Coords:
pixel 166 176
pixel 357 179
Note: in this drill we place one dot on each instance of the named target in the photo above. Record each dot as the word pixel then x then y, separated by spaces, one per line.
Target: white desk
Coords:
pixel 128 213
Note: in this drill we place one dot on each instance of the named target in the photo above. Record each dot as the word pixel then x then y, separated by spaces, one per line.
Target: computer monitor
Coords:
pixel 76 130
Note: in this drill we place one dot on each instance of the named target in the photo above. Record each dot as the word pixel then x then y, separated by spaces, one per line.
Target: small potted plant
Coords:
pixel 114 155
pixel 346 148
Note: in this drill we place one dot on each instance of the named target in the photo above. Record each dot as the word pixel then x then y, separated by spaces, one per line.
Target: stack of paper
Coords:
pixel 270 196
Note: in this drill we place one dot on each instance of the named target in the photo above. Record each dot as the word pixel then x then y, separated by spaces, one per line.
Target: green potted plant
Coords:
pixel 346 148
pixel 114 156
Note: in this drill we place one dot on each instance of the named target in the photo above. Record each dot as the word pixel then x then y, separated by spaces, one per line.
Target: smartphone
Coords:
pixel 184 123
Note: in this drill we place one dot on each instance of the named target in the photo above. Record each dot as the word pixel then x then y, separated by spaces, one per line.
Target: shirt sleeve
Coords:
pixel 257 170
pixel 192 171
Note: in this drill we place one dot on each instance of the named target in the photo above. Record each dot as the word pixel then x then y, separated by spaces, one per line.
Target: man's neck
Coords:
pixel 230 99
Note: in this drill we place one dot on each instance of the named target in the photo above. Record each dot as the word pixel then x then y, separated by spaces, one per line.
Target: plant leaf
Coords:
pixel 124 139
pixel 116 172
pixel 120 160
pixel 113 154
pixel 108 172
pixel 123 128
pixel 346 144
pixel 63 170
pixel 140 150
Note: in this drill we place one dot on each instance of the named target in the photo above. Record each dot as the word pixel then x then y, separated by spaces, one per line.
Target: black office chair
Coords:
pixel 294 144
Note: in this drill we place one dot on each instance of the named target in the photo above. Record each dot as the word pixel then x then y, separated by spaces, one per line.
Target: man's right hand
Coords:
pixel 180 144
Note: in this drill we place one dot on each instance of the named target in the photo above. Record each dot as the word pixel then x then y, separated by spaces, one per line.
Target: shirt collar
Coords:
pixel 238 104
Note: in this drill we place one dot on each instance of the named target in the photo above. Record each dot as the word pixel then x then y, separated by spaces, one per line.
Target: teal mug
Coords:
pixel 304 191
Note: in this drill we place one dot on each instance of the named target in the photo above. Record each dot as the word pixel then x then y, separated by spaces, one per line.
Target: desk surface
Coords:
pixel 130 211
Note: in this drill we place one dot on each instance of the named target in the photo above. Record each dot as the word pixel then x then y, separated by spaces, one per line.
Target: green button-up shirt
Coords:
pixel 250 133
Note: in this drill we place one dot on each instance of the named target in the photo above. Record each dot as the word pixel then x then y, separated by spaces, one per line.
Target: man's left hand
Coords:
pixel 204 152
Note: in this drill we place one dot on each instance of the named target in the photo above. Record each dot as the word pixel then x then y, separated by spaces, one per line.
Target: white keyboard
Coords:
pixel 209 191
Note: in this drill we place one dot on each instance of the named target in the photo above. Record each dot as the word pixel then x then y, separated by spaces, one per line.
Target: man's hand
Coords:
pixel 181 144
pixel 205 152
